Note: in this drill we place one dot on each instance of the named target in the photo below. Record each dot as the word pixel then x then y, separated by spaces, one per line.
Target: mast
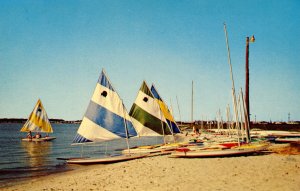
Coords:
pixel 179 110
pixel 232 80
pixel 159 98
pixel 162 126
pixel 247 122
pixel 126 128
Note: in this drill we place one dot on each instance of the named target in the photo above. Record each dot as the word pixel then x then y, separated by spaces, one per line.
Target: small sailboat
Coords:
pixel 220 152
pixel 105 119
pixel 147 116
pixel 151 117
pixel 38 123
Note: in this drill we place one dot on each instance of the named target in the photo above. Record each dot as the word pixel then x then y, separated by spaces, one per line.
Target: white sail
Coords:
pixel 106 117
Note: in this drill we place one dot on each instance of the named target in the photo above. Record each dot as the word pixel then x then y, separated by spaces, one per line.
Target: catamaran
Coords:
pixel 105 119
pixel 38 123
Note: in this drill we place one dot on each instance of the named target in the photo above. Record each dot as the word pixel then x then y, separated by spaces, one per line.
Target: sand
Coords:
pixel 258 172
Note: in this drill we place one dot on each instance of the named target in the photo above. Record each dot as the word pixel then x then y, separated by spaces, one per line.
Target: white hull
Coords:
pixel 219 152
pixel 159 149
pixel 39 139
pixel 104 160
pixel 288 140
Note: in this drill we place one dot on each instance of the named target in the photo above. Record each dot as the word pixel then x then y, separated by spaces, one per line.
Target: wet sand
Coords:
pixel 269 171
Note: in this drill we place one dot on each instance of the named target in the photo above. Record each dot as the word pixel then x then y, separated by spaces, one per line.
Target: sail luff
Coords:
pixel 127 117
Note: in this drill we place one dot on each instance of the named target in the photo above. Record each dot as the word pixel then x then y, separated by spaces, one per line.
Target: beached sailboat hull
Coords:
pixel 220 152
pixel 39 139
pixel 105 160
pixel 154 150
pixel 288 140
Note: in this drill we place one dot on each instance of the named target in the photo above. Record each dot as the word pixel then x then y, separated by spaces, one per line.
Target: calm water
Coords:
pixel 20 160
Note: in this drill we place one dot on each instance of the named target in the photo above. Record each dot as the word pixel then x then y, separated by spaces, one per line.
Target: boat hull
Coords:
pixel 104 160
pixel 39 139
pixel 219 152
pixel 152 149
pixel 288 140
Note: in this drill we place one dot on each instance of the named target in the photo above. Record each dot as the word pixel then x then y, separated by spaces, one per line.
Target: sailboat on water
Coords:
pixel 38 123
pixel 105 119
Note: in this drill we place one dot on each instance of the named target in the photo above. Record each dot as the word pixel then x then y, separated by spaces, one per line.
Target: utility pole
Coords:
pixel 192 108
pixel 252 39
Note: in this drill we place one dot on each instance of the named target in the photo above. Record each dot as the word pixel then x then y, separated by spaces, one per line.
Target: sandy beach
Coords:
pixel 269 171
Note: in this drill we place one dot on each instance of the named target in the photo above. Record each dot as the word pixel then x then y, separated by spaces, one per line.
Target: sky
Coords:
pixel 55 50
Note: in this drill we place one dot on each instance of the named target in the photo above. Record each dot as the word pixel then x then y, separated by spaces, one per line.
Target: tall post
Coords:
pixel 192 106
pixel 252 39
pixel 247 80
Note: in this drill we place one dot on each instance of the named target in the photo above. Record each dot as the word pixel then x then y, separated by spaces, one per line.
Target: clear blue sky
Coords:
pixel 55 50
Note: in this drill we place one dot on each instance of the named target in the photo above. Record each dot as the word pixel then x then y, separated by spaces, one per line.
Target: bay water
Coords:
pixel 20 160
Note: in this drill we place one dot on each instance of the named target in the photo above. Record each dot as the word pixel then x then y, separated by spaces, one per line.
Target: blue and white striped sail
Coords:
pixel 166 112
pixel 106 117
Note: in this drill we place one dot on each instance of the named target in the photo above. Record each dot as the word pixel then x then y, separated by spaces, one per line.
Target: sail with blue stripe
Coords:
pixel 166 112
pixel 106 117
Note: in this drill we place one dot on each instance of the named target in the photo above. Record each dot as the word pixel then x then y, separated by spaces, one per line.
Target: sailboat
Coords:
pixel 105 119
pixel 149 120
pixel 38 123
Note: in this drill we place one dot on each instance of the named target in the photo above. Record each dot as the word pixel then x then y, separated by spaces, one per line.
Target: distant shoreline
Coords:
pixel 22 120
pixel 282 126
pixel 295 126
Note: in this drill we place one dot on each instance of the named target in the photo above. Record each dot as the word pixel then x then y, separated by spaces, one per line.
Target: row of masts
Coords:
pixel 240 104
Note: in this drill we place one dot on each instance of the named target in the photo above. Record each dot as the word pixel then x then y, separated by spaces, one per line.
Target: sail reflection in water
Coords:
pixel 21 159
pixel 37 153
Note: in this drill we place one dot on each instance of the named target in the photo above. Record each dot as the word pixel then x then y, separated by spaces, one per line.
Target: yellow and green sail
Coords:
pixel 146 115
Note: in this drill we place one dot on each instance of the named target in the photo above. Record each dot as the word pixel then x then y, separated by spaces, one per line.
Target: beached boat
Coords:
pixel 105 160
pixel 105 119
pixel 38 123
pixel 292 139
pixel 277 136
pixel 204 152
